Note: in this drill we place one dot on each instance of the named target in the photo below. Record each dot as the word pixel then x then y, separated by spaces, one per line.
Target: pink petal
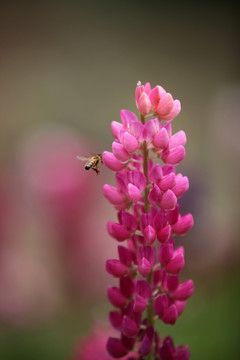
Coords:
pixel 116 298
pixel 168 201
pixel 110 161
pixel 161 139
pixel 144 104
pixel 175 156
pixel 149 234
pixel 165 253
pixel 155 174
pixel 134 194
pixel 177 139
pixel 130 142
pixel 160 304
pixel 164 234
pixel 184 290
pixel 119 152
pixel 115 348
pixel 155 195
pixel 117 231
pixel 144 267
pixel 116 268
pixel 139 304
pixel 129 327
pixel 182 185
pixel 116 127
pixel 170 315
pixel 167 182
pixel 165 105
pixel 174 112
pixel 113 195
pixel 127 116
pixel 184 224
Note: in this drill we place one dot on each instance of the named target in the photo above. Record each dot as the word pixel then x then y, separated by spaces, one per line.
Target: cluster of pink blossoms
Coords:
pixel 146 197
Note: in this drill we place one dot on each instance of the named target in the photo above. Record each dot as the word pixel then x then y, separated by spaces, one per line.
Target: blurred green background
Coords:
pixel 66 69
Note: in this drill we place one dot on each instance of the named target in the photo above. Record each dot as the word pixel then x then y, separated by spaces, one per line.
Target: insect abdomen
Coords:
pixel 88 165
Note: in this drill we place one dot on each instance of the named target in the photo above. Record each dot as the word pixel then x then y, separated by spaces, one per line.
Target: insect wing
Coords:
pixel 82 158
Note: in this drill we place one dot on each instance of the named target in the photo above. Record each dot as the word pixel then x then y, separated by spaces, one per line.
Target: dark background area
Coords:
pixel 66 69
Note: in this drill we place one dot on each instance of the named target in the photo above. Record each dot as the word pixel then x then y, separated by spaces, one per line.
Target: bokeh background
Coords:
pixel 66 69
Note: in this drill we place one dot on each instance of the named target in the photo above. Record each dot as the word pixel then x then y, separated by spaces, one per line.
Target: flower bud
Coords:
pixel 116 268
pixel 164 234
pixel 129 327
pixel 117 231
pixel 113 195
pixel 168 200
pixel 144 267
pixel 149 234
pixel 167 182
pixel 119 152
pixel 177 139
pixel 165 104
pixel 130 143
pixel 155 195
pixel 165 253
pixel 115 348
pixel 134 194
pixel 170 315
pixel 175 156
pixel 160 304
pixel 183 224
pixel 116 127
pixel 174 112
pixel 161 139
pixel 115 319
pixel 139 304
pixel 110 161
pixel 184 290
pixel 144 104
pixel 116 298
pixel 181 186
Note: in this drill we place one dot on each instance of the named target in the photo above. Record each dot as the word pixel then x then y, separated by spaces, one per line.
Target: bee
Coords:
pixel 92 162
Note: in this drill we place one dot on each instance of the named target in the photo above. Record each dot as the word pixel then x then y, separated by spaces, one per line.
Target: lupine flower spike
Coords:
pixel 144 157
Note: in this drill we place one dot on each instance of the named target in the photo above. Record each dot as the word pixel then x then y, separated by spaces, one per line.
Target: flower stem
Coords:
pixel 145 168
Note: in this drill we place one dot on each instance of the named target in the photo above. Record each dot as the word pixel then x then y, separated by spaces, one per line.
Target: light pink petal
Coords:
pixel 169 200
pixel 174 112
pixel 161 139
pixel 165 105
pixel 110 161
pixel 134 194
pixel 130 142
pixel 178 138
pixel 127 116
pixel 144 104
pixel 119 152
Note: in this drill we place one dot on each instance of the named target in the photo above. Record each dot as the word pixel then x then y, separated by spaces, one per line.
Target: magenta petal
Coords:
pixel 184 290
pixel 164 234
pixel 165 105
pixel 172 282
pixel 144 104
pixel 167 349
pixel 175 156
pixel 144 289
pixel 175 264
pixel 154 95
pixel 181 186
pixel 117 231
pixel 145 346
pixel 170 315
pixel 177 139
pixel 155 195
pixel 115 348
pixel 161 139
pixel 127 116
pixel 149 234
pixel 139 304
pixel 183 224
pixel 174 112
pixel 182 353
pixel 116 268
pixel 127 286
pixel 155 174
pixel 151 128
pixel 167 182
pixel 125 255
pixel 115 319
pixel 160 304
pixel 144 267
pixel 113 195
pixel 110 161
pixel 128 220
pixel 134 194
pixel 148 252
pixel 116 127
pixel 168 201
pixel 119 151
pixel 180 305
pixel 130 142
pixel 116 298
pixel 129 327
pixel 165 253
pixel 173 215
pixel 136 129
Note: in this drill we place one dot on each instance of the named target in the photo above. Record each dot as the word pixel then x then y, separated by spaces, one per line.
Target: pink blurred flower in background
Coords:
pixel 48 231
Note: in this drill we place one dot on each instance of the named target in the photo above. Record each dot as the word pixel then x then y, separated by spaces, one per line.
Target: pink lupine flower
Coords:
pixel 146 197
